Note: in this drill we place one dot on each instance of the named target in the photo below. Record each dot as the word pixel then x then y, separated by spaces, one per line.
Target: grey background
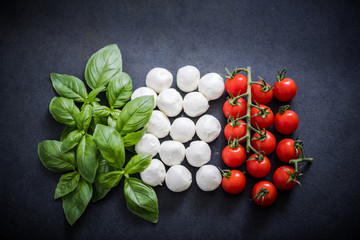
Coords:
pixel 318 41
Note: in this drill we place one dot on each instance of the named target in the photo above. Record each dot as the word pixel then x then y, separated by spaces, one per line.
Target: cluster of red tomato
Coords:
pixel 263 142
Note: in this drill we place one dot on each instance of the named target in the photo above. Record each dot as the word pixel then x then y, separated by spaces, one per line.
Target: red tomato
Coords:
pixel 234 154
pixel 286 121
pixel 266 143
pixel 285 178
pixel 264 193
pixel 288 149
pixel 285 88
pixel 236 85
pixel 261 118
pixel 233 181
pixel 235 129
pixel 258 166
pixel 236 107
pixel 261 94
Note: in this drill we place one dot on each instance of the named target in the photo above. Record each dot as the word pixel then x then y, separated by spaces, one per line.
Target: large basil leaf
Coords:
pixel 110 179
pixel 138 163
pixel 141 199
pixel 71 140
pixel 84 118
pixel 101 111
pixel 133 138
pixel 64 110
pixel 67 130
pixel 135 114
pixel 110 144
pixel 54 159
pixel 67 183
pixel 103 66
pixel 99 191
pixel 119 90
pixel 69 86
pixel 74 203
pixel 86 155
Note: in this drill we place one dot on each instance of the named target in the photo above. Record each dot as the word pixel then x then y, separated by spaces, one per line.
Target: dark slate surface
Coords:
pixel 318 41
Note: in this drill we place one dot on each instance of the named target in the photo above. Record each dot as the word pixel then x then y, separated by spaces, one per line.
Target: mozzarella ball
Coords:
pixel 144 91
pixel 187 78
pixel 208 128
pixel 182 129
pixel 159 124
pixel 212 86
pixel 172 152
pixel 154 174
pixel 148 144
pixel 170 102
pixel 208 178
pixel 178 178
pixel 195 104
pixel 159 79
pixel 198 153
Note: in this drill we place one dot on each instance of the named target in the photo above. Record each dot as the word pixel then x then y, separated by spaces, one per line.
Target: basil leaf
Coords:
pixel 110 179
pixel 110 144
pixel 103 66
pixel 138 163
pixel 86 155
pixel 134 137
pixel 131 149
pixel 100 192
pixel 101 111
pixel 75 203
pixel 67 183
pixel 84 118
pixel 67 130
pixel 54 159
pixel 64 110
pixel 71 140
pixel 119 90
pixel 69 86
pixel 111 122
pixel 115 113
pixel 135 114
pixel 141 199
pixel 93 94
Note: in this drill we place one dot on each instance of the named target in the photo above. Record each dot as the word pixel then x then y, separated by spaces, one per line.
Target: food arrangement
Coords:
pixel 103 144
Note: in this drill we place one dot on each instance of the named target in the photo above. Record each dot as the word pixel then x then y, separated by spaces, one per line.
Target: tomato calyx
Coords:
pixel 233 143
pixel 234 72
pixel 299 146
pixel 261 137
pixel 234 122
pixel 234 100
pixel 283 109
pixel 264 86
pixel 225 173
pixel 260 155
pixel 261 194
pixel 293 176
pixel 281 75
pixel 262 111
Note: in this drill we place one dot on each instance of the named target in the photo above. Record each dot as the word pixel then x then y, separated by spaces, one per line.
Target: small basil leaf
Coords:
pixel 119 90
pixel 110 144
pixel 75 203
pixel 99 191
pixel 54 159
pixel 67 130
pixel 115 113
pixel 133 138
pixel 86 155
pixel 110 179
pixel 71 140
pixel 64 110
pixel 93 94
pixel 84 118
pixel 131 149
pixel 101 111
pixel 69 86
pixel 103 66
pixel 111 122
pixel 67 183
pixel 135 114
pixel 141 199
pixel 138 163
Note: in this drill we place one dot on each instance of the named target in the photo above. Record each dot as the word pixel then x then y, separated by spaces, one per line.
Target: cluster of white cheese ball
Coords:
pixel 172 152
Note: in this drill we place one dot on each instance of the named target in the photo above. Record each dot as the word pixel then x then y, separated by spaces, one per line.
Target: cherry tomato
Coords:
pixel 288 149
pixel 236 85
pixel 235 129
pixel 234 154
pixel 266 143
pixel 264 193
pixel 285 178
pixel 286 121
pixel 285 88
pixel 261 118
pixel 233 181
pixel 236 107
pixel 261 94
pixel 258 166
